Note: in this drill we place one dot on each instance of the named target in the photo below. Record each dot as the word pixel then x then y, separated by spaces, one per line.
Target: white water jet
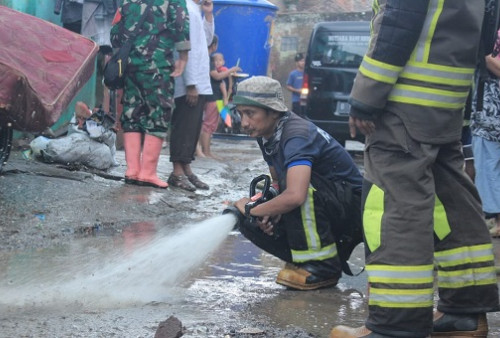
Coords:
pixel 150 273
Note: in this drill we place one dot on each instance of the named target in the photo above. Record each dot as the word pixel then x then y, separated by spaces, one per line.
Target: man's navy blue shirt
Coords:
pixel 304 143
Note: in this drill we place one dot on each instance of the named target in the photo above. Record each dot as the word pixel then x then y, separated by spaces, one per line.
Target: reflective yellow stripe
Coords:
pixel 372 217
pixel 419 279
pixel 314 250
pixel 441 225
pixel 309 220
pixel 467 277
pixel 379 71
pixel 326 252
pixel 419 69
pixel 401 298
pixel 375 7
pixel 375 10
pixel 428 97
pixel 422 49
pixel 431 73
pixel 465 255
pixel 391 274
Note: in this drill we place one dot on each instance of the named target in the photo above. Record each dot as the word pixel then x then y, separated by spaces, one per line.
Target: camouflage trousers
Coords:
pixel 147 101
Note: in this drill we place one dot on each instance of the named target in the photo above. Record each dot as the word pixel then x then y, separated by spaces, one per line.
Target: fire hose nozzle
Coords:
pixel 240 218
pixel 256 198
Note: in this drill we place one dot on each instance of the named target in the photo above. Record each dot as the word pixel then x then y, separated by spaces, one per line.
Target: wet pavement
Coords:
pixel 84 255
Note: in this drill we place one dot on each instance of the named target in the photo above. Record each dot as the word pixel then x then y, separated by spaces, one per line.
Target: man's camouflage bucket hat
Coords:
pixel 260 91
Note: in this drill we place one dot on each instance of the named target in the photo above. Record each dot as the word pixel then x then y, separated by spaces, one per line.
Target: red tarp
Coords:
pixel 42 68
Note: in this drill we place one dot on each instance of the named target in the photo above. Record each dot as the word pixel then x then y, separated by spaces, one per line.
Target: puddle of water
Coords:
pixel 147 268
pixel 229 281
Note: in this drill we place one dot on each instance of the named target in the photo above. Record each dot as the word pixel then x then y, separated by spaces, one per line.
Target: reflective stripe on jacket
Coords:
pixel 420 65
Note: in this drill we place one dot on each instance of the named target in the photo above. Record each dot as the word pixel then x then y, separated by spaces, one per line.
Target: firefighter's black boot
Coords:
pixel 460 325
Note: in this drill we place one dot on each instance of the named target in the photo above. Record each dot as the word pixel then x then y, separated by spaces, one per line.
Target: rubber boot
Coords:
pixel 132 145
pixel 150 156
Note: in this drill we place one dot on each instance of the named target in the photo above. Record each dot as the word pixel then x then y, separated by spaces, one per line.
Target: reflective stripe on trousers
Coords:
pixel 316 248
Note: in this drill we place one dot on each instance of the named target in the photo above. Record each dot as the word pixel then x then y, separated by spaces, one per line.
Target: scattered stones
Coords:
pixel 170 328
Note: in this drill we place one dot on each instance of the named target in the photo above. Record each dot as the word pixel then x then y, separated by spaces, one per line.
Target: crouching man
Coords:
pixel 319 185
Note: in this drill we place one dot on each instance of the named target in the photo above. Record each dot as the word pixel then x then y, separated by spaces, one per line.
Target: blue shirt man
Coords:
pixel 294 83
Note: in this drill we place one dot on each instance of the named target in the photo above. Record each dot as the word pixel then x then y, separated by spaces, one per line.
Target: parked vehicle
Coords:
pixel 334 54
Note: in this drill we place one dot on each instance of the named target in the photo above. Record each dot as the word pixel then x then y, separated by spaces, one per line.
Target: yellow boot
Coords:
pixel 301 279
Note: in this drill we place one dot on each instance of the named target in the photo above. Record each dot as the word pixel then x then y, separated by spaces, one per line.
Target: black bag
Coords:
pixel 115 69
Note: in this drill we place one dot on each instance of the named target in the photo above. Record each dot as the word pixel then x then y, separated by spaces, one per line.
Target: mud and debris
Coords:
pixel 82 254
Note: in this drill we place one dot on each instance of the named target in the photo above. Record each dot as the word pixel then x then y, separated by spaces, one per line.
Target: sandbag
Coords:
pixel 75 149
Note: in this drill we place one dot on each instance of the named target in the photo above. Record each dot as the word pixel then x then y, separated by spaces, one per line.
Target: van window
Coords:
pixel 338 49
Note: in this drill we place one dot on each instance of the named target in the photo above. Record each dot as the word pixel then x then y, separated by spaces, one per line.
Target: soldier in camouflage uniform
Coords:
pixel 149 83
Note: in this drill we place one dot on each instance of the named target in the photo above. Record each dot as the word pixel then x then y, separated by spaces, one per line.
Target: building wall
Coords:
pixel 291 33
pixel 322 6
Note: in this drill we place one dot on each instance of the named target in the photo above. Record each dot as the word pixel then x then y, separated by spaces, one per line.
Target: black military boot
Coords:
pixel 460 325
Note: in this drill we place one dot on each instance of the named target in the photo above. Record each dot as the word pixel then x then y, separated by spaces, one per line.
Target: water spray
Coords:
pixel 168 257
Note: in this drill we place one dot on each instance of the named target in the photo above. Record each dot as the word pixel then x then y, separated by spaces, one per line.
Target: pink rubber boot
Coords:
pixel 150 156
pixel 132 145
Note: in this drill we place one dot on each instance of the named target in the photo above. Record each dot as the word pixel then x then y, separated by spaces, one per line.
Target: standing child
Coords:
pixel 218 75
pixel 227 83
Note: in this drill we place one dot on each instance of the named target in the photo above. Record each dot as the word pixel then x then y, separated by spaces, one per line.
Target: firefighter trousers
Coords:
pixel 422 213
pixel 305 235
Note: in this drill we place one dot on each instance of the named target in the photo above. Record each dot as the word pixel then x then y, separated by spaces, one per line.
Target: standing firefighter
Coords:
pixel 319 184
pixel 149 81
pixel 421 211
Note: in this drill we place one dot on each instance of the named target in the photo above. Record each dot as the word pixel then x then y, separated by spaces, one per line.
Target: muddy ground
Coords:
pixel 84 255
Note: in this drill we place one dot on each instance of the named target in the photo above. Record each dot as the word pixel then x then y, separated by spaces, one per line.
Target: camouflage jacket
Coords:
pixel 166 28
